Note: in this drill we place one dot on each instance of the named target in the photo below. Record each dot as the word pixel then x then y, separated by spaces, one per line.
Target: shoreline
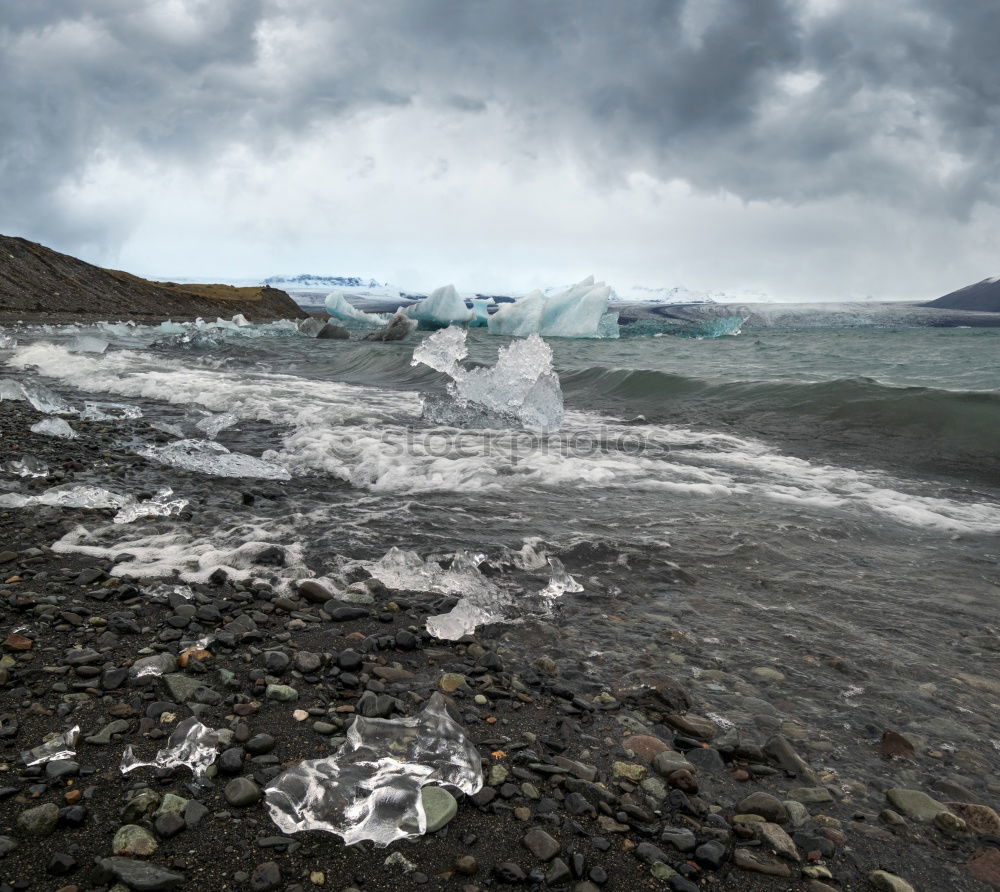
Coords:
pixel 630 789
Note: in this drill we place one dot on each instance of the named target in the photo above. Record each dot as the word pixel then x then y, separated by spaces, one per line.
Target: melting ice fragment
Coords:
pixel 463 619
pixel 559 583
pixel 522 389
pixel 54 427
pixel 191 745
pixel 370 789
pixel 161 505
pixel 59 746
pixel 209 457
pixel 87 344
pixel 96 411
pixel 29 466
pixel 213 424
pixel 443 307
pixel 45 401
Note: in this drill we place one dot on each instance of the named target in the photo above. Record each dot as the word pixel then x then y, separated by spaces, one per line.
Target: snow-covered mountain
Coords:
pixel 309 282
pixel 678 294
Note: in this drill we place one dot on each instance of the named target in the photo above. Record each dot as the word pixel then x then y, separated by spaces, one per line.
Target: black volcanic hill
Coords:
pixel 37 283
pixel 983 296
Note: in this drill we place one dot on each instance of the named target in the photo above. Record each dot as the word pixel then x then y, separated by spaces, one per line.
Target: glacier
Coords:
pixel 579 312
pixel 443 307
pixel 522 389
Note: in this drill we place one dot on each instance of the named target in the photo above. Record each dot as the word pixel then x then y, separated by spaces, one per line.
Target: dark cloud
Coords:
pixel 774 100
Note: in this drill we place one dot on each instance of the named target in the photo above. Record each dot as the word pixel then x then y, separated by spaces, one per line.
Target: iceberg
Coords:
pixel 209 457
pixel 481 312
pixel 522 389
pixel 371 789
pixel 443 307
pixel 54 427
pixel 579 312
pixel 350 316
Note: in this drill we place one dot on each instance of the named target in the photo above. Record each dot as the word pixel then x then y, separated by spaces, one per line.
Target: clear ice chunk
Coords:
pixel 161 505
pixel 68 495
pixel 97 411
pixel 522 389
pixel 29 466
pixel 559 583
pixel 54 427
pixel 11 389
pixel 370 789
pixel 578 312
pixel 407 570
pixel 191 745
pixel 45 401
pixel 241 321
pixel 166 427
pixel 59 746
pixel 463 619
pixel 209 457
pixel 213 424
pixel 441 308
pixel 87 344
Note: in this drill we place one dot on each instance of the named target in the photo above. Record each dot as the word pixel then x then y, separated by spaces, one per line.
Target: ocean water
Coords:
pixel 801 524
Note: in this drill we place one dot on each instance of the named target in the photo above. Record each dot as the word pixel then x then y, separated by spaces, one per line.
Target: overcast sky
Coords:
pixel 810 148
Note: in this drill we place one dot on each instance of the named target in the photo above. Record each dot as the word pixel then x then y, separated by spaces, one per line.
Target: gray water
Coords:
pixel 802 525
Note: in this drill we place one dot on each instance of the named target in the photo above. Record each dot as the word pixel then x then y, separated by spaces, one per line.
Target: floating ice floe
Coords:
pixel 522 389
pixel 371 788
pixel 209 457
pixel 54 427
pixel 443 307
pixel 191 745
pixel 579 312
pixel 59 746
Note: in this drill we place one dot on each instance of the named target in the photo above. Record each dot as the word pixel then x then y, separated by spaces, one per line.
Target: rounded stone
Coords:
pixel 39 821
pixel 131 839
pixel 241 792
pixel 451 682
pixel 439 807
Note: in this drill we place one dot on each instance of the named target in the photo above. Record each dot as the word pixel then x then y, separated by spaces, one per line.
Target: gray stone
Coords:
pixel 241 792
pixel 7 845
pixel 764 804
pixel 283 693
pixel 439 807
pixel 133 840
pixel 780 842
pixel 914 804
pixel 887 882
pixel 103 737
pixel 681 839
pixel 333 332
pixel 40 820
pixel 810 795
pixel 141 875
pixel 540 844
pixel 667 762
pixel 181 687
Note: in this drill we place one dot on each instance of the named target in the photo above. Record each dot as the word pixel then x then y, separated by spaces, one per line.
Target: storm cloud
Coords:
pixel 791 116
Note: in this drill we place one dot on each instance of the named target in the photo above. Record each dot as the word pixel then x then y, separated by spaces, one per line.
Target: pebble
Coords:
pixel 914 804
pixel 241 792
pixel 541 844
pixel 439 807
pixel 40 820
pixel 764 804
pixel 265 877
pixel 132 839
pixel 283 693
pixel 887 882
